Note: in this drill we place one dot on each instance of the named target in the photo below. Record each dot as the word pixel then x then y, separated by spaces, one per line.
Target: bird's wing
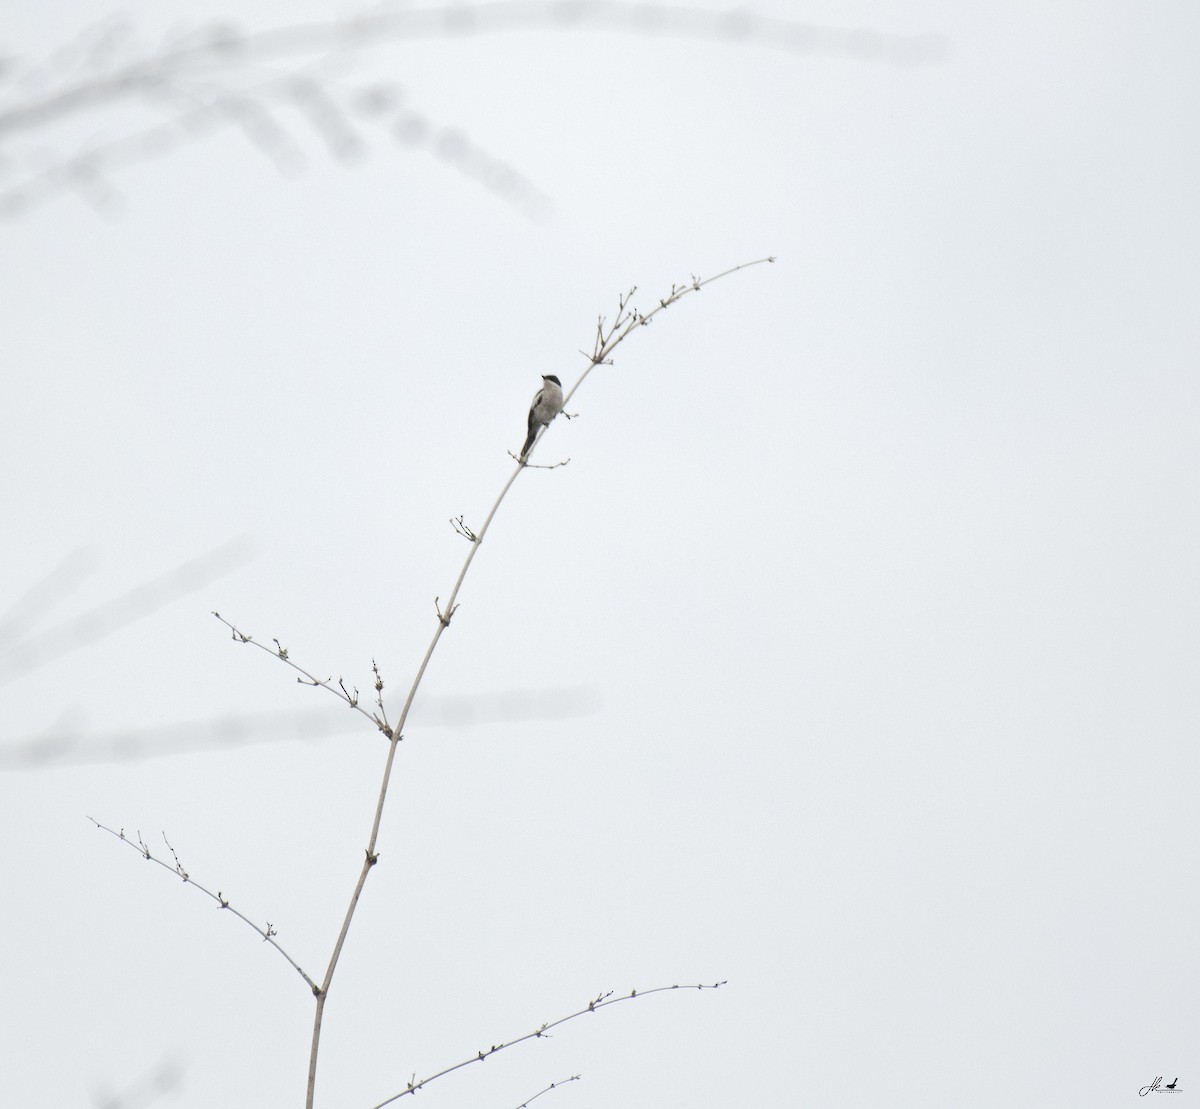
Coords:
pixel 537 400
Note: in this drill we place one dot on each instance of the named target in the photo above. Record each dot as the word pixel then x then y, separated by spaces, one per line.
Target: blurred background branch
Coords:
pixel 193 81
pixel 67 745
pixel 165 1077
pixel 34 651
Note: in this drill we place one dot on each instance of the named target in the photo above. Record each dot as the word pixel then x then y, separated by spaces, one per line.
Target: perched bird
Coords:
pixel 546 405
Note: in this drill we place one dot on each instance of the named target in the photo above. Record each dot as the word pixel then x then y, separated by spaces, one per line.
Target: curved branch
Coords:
pixel 552 1086
pixel 600 1002
pixel 268 934
pixel 281 652
pixel 627 320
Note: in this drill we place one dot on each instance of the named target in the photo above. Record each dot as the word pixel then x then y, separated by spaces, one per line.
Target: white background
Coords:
pixel 859 636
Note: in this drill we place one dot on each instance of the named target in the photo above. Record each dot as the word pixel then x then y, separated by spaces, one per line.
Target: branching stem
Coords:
pixel 627 319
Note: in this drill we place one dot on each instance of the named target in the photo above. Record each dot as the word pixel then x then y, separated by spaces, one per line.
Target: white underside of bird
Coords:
pixel 547 403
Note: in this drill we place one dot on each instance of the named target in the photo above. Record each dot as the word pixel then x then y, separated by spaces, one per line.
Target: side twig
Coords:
pixel 602 1001
pixel 341 692
pixel 268 934
pixel 552 1086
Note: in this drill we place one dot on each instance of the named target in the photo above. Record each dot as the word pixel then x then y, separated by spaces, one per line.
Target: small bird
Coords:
pixel 546 405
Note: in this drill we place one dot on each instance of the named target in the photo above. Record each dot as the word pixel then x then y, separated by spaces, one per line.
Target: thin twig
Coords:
pixel 552 1086
pixel 268 934
pixel 628 319
pixel 600 1002
pixel 541 465
pixel 463 529
pixel 340 692
pixel 379 697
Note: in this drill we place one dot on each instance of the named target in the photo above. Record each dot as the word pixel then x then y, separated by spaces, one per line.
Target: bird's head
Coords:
pixel 551 377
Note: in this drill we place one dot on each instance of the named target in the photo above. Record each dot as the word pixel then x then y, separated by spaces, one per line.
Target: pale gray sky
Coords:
pixel 851 659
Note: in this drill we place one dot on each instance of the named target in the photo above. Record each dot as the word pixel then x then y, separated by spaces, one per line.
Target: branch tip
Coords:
pixel 600 1001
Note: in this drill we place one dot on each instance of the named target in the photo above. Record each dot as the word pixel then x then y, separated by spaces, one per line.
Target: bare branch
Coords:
pixel 268 934
pixel 381 718
pixel 602 1001
pixel 552 1086
pixel 281 652
pixel 457 524
pixel 630 318
pixel 444 616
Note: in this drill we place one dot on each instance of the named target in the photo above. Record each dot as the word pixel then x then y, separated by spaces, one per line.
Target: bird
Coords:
pixel 547 403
